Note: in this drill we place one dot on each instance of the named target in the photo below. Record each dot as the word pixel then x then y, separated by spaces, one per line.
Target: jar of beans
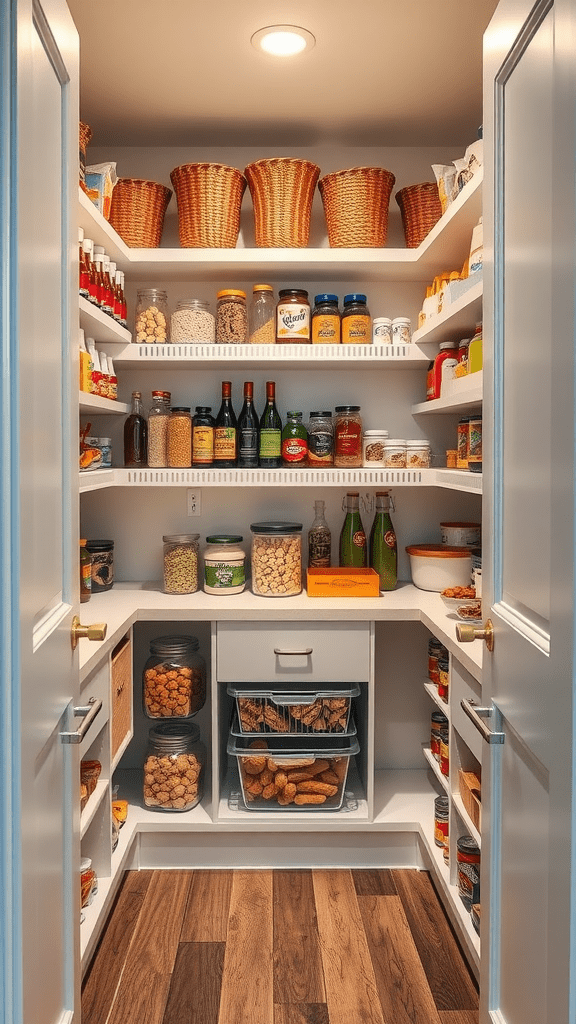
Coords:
pixel 174 678
pixel 174 767
pixel 180 438
pixel 152 318
pixel 348 437
pixel 192 322
pixel 231 317
pixel 181 563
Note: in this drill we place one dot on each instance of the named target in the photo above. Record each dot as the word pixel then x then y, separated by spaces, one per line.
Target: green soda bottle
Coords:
pixel 383 547
pixel 353 548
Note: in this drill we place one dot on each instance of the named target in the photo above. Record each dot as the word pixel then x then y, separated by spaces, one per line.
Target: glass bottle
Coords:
pixel 270 444
pixel 353 550
pixel 319 539
pixel 83 267
pixel 262 315
pixel 98 276
pixel 158 430
pixel 203 437
pixel 248 430
pixel 225 431
pixel 123 305
pixel 88 248
pixel 107 292
pixel 135 434
pixel 294 441
pixel 383 547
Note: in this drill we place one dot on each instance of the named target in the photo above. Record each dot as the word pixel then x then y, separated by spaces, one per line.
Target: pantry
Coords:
pixel 370 651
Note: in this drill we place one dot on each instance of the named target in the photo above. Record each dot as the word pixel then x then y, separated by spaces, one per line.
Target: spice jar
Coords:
pixel 293 316
pixel 326 320
pixel 468 859
pixel 203 436
pixel 441 810
pixel 151 318
pixel 438 721
pixel 158 429
pixel 102 555
pixel 395 453
pixel 401 330
pixel 356 320
pixel 262 315
pixel 180 438
pixel 320 439
pixel 231 317
pixel 224 569
pixel 174 678
pixel 348 437
pixel 382 330
pixel 180 558
pixel 174 767
pixel 417 454
pixel 276 559
pixel 373 442
pixel 192 322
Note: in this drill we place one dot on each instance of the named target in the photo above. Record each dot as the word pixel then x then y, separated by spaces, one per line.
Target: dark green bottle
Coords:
pixel 353 548
pixel 383 547
pixel 270 446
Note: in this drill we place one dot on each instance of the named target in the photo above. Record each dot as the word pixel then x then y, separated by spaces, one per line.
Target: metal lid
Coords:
pixel 167 645
pixel 347 408
pixel 180 408
pixel 276 527
pixel 467 844
pixel 262 288
pixel 324 413
pixel 170 736
pixel 438 716
pixel 224 538
pixel 229 292
pixel 292 291
pixel 180 538
pixel 99 545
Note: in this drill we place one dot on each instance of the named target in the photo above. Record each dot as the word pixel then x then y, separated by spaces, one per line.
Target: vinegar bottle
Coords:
pixel 135 434
pixel 248 430
pixel 353 550
pixel 270 447
pixel 319 539
pixel 383 547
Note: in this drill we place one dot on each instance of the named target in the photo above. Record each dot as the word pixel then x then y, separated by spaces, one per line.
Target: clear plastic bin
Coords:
pixel 298 712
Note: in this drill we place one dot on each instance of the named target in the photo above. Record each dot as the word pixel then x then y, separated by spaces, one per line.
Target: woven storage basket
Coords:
pixel 356 205
pixel 420 208
pixel 282 191
pixel 209 198
pixel 121 693
pixel 137 211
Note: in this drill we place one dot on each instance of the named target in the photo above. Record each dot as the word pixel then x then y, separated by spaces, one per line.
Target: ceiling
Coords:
pixel 182 72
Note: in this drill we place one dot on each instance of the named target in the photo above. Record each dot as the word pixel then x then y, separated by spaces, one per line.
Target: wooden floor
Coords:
pixel 278 947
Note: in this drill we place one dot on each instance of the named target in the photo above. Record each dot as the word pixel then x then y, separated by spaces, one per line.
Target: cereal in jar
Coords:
pixel 348 437
pixel 151 321
pixel 276 559
pixel 174 678
pixel 180 559
pixel 231 317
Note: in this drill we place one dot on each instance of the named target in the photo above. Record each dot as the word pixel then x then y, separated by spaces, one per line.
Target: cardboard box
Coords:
pixel 471 793
pixel 342 582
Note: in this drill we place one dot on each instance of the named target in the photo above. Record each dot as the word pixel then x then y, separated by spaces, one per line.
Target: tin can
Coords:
pixel 441 821
pixel 443 678
pixel 468 858
pixel 444 752
pixel 438 722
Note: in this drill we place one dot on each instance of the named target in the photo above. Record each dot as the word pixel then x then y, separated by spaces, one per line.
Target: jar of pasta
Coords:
pixel 348 437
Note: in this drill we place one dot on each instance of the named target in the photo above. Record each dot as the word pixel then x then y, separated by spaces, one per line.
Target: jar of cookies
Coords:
pixel 276 559
pixel 174 767
pixel 151 318
pixel 174 678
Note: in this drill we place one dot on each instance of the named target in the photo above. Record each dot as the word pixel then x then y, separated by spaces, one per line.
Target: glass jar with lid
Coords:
pixel 173 776
pixel 356 320
pixel 326 320
pixel 102 565
pixel 321 439
pixel 151 321
pixel 180 438
pixel 180 561
pixel 158 429
pixel 224 564
pixel 348 437
pixel 293 317
pixel 231 317
pixel 276 559
pixel 191 322
pixel 174 678
pixel 262 315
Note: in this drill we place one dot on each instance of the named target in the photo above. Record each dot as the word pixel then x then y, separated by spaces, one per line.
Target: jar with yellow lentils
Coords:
pixel 180 438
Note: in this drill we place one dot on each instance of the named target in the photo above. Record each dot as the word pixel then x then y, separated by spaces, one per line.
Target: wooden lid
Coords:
pixel 438 551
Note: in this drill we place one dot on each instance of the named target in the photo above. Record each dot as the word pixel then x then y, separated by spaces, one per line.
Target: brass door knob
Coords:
pixel 466 633
pixel 97 631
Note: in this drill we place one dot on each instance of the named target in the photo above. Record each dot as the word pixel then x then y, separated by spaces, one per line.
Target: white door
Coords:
pixel 44 909
pixel 529 231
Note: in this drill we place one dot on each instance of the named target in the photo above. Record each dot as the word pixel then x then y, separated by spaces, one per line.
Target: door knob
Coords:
pixel 97 631
pixel 466 633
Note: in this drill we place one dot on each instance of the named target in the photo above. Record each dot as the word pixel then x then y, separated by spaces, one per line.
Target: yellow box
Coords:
pixel 85 371
pixel 342 582
pixel 475 356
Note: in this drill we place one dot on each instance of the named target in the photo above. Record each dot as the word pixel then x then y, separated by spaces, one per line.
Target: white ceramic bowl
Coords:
pixel 437 566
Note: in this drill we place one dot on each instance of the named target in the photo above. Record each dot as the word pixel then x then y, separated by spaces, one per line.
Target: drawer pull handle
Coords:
pixel 87 714
pixel 477 716
pixel 307 651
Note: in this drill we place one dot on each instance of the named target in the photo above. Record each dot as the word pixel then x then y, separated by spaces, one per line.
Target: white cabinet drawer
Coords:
pixel 272 652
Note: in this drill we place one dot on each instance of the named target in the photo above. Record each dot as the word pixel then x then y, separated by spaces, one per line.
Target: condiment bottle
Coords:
pixel 435 371
pixel 203 437
pixel 84 267
pixel 135 434
pixel 383 547
pixel 319 539
pixel 294 441
pixel 352 547
pixel 293 316
pixel 326 320
pixel 356 320
pixel 107 304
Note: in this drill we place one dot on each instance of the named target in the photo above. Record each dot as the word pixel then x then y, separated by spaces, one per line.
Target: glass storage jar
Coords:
pixel 174 678
pixel 180 560
pixel 356 320
pixel 224 568
pixel 321 439
pixel 326 320
pixel 395 453
pixel 348 437
pixel 192 321
pixel 231 317
pixel 151 318
pixel 262 315
pixel 180 438
pixel 293 317
pixel 174 767
pixel 158 429
pixel 276 559
pixel 102 569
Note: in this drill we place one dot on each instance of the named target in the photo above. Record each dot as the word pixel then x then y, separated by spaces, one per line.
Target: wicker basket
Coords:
pixel 209 198
pixel 420 208
pixel 282 191
pixel 356 206
pixel 137 211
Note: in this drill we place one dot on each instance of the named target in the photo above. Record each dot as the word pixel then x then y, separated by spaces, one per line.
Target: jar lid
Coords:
pixel 325 297
pixel 224 538
pixel 354 297
pixel 418 444
pixel 227 292
pixel 180 408
pixel 203 410
pixel 463 526
pixel 395 442
pixel 99 545
pixel 192 304
pixel 382 320
pixel 168 735
pixel 441 802
pixel 445 345
pixel 166 645
pixel 438 716
pixel 85 864
pixel 262 288
pixel 324 413
pixel 463 342
pixel 293 413
pixel 180 538
pixel 467 844
pixel 347 408
pixel 292 291
pixel 152 291
pixel 401 320
pixel 276 527
pixel 375 433
pixel 438 550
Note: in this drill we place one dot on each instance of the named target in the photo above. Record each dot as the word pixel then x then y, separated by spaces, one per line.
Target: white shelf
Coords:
pixel 455 321
pixel 294 357
pixel 469 824
pixel 433 763
pixel 432 691
pixel 96 404
pixel 231 809
pixel 463 395
pixel 96 480
pixel 103 328
pixel 459 480
pixel 93 804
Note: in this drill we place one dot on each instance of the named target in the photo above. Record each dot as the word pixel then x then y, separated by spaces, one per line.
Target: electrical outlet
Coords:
pixel 194 503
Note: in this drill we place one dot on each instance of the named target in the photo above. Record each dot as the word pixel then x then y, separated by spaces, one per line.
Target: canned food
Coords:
pixel 468 858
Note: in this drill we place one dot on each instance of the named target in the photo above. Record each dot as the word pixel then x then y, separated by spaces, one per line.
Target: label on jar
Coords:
pixel 223 575
pixel 292 322
pixel 356 329
pixel 225 443
pixel 294 449
pixel 348 441
pixel 325 329
pixel 270 444
pixel 320 447
pixel 203 445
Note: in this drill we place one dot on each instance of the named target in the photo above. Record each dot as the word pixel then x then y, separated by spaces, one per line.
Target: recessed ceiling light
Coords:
pixel 283 40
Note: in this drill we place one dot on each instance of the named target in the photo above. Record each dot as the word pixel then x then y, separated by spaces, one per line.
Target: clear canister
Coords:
pixel 174 678
pixel 180 438
pixel 102 569
pixel 395 453
pixel 276 559
pixel 224 564
pixel 320 438
pixel 326 320
pixel 262 315
pixel 231 317
pixel 174 767
pixel 158 429
pixel 180 558
pixel 373 442
pixel 348 437
pixel 192 321
pixel 417 454
pixel 356 320
pixel 401 330
pixel 151 318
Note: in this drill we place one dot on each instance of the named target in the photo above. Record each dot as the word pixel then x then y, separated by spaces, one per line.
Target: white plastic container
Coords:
pixel 417 454
pixel 373 442
pixel 401 330
pixel 382 330
pixel 395 453
pixel 224 565
pixel 437 566
pixel 465 535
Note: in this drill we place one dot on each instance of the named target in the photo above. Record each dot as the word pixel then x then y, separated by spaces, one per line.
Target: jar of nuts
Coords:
pixel 174 678
pixel 174 767
pixel 151 320
pixel 276 559
pixel 231 317
pixel 192 322
pixel 181 563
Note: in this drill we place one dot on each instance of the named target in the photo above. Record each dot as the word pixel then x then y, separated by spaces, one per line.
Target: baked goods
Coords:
pixel 324 714
pixel 302 781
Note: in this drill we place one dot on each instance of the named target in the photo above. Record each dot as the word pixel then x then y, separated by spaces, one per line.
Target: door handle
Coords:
pixel 97 631
pixel 466 633
pixel 306 651
pixel 477 716
pixel 87 714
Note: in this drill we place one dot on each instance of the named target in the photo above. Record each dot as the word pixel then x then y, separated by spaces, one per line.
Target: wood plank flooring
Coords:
pixel 278 947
